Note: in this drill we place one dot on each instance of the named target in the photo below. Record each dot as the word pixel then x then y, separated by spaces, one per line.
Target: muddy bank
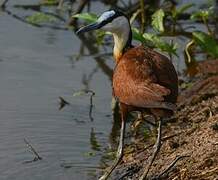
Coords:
pixel 192 132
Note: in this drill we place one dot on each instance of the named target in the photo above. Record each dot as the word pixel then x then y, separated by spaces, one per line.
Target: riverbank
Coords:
pixel 192 132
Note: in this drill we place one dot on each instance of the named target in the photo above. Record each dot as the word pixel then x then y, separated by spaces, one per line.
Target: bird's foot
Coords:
pixel 155 152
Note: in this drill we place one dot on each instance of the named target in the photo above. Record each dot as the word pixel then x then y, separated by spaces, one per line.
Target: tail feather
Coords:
pixel 164 105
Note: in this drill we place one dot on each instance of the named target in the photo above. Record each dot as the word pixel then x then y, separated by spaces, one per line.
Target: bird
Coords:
pixel 144 80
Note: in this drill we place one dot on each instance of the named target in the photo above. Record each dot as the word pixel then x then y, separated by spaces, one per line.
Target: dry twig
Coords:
pixel 142 5
pixel 166 171
pixel 37 157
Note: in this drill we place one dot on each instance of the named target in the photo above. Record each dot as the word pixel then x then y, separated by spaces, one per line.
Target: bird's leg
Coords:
pixel 114 105
pixel 119 151
pixel 156 150
pixel 143 118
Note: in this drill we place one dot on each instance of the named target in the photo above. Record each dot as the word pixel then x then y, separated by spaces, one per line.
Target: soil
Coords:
pixel 191 135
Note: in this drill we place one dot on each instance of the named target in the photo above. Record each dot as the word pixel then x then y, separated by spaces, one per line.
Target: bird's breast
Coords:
pixel 141 79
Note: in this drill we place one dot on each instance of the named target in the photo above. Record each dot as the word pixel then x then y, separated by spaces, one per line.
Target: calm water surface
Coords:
pixel 37 65
pixel 35 69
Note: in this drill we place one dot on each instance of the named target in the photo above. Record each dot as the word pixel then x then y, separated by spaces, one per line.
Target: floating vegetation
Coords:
pixel 90 154
pixel 88 17
pixel 49 2
pixel 40 18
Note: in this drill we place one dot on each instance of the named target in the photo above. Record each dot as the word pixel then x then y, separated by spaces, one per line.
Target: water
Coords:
pixel 37 66
pixel 35 69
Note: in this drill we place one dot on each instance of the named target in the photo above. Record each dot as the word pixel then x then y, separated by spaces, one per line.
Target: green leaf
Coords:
pixel 89 154
pixel 49 2
pixel 182 9
pixel 200 14
pixel 206 42
pixel 161 44
pixel 88 17
pixel 100 36
pixel 137 35
pixel 154 41
pixel 157 20
pixel 80 93
pixel 39 17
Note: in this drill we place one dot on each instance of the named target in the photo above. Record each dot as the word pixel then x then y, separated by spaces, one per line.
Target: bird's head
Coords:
pixel 117 23
pixel 113 21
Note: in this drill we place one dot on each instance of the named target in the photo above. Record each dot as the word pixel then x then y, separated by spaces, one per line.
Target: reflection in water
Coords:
pixel 35 153
pixel 86 79
pixel 110 153
pixel 91 105
pixel 51 36
pixel 115 130
pixel 93 141
pixel 92 48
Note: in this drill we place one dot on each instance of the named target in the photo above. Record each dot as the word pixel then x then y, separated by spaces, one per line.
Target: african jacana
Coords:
pixel 143 79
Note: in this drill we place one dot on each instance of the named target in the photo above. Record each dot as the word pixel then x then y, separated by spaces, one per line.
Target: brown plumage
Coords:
pixel 145 79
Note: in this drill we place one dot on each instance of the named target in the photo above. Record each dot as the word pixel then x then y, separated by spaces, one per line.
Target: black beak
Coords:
pixel 89 27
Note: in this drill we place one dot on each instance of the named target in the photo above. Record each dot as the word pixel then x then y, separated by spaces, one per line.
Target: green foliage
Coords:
pixel 49 2
pixel 89 154
pixel 39 17
pixel 154 41
pixel 180 10
pixel 186 85
pixel 138 36
pixel 80 93
pixel 160 43
pixel 84 92
pixel 110 155
pixel 201 14
pixel 157 20
pixel 88 17
pixel 206 42
pixel 146 133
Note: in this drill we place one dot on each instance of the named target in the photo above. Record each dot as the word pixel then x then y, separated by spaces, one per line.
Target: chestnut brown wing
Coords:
pixel 135 81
